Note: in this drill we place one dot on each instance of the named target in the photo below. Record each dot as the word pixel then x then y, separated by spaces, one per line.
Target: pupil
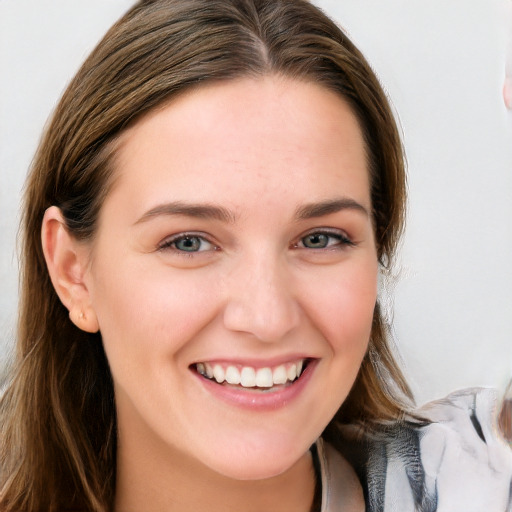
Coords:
pixel 316 241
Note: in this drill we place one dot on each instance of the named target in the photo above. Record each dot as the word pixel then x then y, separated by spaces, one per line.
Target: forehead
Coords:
pixel 232 140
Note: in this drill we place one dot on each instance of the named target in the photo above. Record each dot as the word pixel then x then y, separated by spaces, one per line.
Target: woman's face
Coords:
pixel 236 242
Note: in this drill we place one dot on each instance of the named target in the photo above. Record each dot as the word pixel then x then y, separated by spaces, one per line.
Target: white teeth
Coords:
pixel 232 375
pixel 209 370
pixel 249 377
pixel 292 372
pixel 279 376
pixel 264 378
pixel 218 373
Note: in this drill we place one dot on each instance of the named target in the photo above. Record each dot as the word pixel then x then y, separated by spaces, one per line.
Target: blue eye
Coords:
pixel 324 240
pixel 187 244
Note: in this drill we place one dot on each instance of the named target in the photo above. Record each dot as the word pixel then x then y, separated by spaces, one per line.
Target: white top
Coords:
pixel 457 462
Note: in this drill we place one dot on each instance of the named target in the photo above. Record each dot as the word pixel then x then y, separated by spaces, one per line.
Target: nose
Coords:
pixel 261 301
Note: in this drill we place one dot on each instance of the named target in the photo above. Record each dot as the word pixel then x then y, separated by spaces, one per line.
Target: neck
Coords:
pixel 158 480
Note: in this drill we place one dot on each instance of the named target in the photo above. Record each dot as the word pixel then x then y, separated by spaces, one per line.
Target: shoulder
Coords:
pixel 466 463
pixel 455 460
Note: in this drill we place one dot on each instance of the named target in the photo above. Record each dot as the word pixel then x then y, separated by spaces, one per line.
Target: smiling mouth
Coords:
pixel 248 377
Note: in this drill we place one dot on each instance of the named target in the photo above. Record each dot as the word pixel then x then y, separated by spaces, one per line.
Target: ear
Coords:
pixel 67 260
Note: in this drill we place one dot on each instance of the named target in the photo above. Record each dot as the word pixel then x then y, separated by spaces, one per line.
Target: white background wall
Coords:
pixel 443 64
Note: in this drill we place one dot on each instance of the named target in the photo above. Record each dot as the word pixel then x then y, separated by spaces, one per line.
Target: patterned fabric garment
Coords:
pixel 454 462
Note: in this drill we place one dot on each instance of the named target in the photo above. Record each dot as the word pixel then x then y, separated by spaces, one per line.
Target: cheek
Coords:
pixel 158 309
pixel 343 308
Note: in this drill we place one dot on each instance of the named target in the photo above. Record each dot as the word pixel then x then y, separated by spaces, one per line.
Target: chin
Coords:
pixel 256 471
pixel 257 465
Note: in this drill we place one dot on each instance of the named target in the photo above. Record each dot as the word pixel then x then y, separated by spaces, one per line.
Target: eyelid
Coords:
pixel 344 239
pixel 167 242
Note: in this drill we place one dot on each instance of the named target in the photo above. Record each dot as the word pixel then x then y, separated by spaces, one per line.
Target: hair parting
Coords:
pixel 57 414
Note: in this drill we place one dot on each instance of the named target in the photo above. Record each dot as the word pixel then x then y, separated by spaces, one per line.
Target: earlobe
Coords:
pixel 67 262
pixel 87 321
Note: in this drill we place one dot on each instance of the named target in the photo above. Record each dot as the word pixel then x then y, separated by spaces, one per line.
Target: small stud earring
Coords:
pixel 81 316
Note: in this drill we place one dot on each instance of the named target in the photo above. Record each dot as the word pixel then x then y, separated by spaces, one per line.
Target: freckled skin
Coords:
pixel 260 149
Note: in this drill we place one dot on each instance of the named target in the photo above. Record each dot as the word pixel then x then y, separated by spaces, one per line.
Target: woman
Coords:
pixel 204 224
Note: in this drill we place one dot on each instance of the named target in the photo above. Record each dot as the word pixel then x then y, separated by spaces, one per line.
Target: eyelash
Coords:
pixel 341 241
pixel 170 243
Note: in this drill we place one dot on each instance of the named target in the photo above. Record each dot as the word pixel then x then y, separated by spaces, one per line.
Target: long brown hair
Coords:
pixel 58 418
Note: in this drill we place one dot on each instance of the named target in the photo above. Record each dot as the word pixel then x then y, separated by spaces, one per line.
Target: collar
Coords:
pixel 341 489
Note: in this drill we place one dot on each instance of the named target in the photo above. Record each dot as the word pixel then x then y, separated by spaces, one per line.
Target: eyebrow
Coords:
pixel 310 211
pixel 212 211
pixel 200 211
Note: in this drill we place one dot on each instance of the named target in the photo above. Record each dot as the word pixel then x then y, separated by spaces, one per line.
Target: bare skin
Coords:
pixel 238 234
pixel 292 490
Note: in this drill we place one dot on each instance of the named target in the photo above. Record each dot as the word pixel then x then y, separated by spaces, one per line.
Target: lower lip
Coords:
pixel 259 400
